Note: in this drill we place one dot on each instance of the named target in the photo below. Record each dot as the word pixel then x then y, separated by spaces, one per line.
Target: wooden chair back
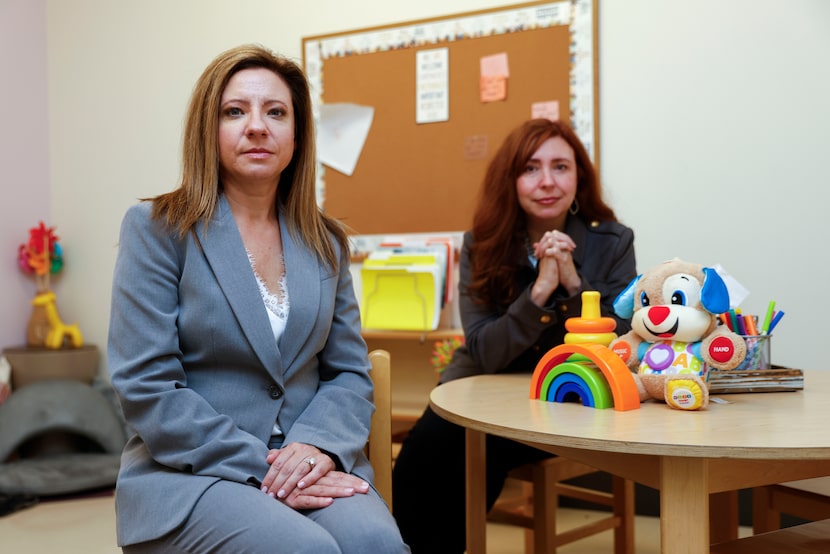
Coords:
pixel 380 434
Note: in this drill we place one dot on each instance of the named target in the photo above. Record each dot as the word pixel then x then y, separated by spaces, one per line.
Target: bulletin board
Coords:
pixel 425 177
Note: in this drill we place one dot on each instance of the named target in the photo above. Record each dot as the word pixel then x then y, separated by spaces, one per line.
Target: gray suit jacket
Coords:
pixel 201 379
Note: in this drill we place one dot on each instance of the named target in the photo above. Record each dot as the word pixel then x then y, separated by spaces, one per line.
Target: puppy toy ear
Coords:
pixel 714 296
pixel 624 302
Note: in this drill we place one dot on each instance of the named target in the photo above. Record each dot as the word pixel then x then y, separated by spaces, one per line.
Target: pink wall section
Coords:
pixel 24 154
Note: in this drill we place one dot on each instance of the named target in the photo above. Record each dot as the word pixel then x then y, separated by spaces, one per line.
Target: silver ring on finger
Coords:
pixel 311 462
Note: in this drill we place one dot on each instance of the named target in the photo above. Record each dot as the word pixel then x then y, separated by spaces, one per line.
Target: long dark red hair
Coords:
pixel 500 224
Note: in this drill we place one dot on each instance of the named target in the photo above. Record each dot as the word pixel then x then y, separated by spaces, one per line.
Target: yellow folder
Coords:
pixel 401 291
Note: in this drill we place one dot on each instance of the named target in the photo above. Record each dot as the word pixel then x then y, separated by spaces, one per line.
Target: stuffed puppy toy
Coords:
pixel 675 337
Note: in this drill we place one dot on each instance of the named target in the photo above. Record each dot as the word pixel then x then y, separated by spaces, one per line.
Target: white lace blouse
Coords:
pixel 277 306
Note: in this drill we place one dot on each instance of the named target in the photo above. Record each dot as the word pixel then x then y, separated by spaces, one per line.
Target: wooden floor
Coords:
pixel 87 526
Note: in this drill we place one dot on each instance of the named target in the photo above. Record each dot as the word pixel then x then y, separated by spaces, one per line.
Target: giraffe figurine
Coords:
pixel 58 330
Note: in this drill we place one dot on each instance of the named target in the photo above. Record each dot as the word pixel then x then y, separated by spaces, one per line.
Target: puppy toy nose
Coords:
pixel 658 314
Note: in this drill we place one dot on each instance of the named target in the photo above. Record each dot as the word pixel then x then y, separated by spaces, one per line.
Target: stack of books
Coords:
pixel 775 379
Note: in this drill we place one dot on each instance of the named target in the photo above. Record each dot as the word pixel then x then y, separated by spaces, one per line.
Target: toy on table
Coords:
pixel 584 369
pixel 675 337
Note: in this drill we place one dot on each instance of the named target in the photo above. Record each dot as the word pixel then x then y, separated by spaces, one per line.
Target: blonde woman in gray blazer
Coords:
pixel 234 340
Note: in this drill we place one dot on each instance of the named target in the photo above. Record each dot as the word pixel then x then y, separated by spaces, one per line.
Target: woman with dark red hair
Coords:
pixel 541 235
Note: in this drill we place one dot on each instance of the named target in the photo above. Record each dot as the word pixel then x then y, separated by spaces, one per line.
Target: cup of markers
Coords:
pixel 757 352
pixel 758 339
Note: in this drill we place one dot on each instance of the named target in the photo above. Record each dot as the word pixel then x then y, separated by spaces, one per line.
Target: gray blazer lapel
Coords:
pixel 303 273
pixel 225 253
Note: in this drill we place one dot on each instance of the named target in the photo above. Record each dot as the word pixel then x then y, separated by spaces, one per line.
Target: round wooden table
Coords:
pixel 749 440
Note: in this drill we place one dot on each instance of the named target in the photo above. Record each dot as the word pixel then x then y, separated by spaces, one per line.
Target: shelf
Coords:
pixel 421 336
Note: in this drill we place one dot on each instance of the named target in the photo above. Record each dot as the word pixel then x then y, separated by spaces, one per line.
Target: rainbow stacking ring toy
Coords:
pixel 584 369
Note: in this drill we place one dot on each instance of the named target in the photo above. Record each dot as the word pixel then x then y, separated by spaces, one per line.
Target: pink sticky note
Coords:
pixel 475 147
pixel 493 89
pixel 545 110
pixel 495 66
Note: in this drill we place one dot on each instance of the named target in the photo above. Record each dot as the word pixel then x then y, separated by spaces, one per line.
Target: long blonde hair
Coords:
pixel 196 197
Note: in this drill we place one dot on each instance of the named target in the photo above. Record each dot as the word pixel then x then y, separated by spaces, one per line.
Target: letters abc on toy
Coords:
pixel 675 337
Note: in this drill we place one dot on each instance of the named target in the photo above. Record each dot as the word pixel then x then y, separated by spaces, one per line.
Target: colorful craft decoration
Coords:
pixel 443 351
pixel 41 256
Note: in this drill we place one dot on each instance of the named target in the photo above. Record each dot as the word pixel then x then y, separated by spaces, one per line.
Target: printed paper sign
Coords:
pixel 432 83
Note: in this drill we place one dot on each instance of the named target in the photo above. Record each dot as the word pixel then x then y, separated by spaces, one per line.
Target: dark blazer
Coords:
pixel 201 379
pixel 513 340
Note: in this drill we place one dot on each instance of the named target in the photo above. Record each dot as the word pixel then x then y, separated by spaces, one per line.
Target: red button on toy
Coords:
pixel 721 350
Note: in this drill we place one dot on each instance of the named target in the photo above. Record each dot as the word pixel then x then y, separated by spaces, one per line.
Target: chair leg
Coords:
pixel 764 517
pixel 624 511
pixel 545 505
pixel 527 491
pixel 544 483
pixel 723 516
pixel 529 544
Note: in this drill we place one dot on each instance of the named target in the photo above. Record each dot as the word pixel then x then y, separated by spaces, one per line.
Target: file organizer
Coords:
pixel 442 247
pixel 403 289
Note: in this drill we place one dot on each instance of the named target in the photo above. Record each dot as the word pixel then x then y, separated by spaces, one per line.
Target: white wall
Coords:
pixel 713 130
pixel 24 155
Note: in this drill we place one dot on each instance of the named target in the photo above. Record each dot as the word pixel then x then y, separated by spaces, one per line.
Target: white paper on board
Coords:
pixel 432 83
pixel 341 134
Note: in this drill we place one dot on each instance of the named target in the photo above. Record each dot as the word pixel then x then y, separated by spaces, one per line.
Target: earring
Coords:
pixel 574 209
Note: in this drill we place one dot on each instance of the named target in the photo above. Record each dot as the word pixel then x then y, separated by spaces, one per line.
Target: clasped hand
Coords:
pixel 304 478
pixel 556 266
